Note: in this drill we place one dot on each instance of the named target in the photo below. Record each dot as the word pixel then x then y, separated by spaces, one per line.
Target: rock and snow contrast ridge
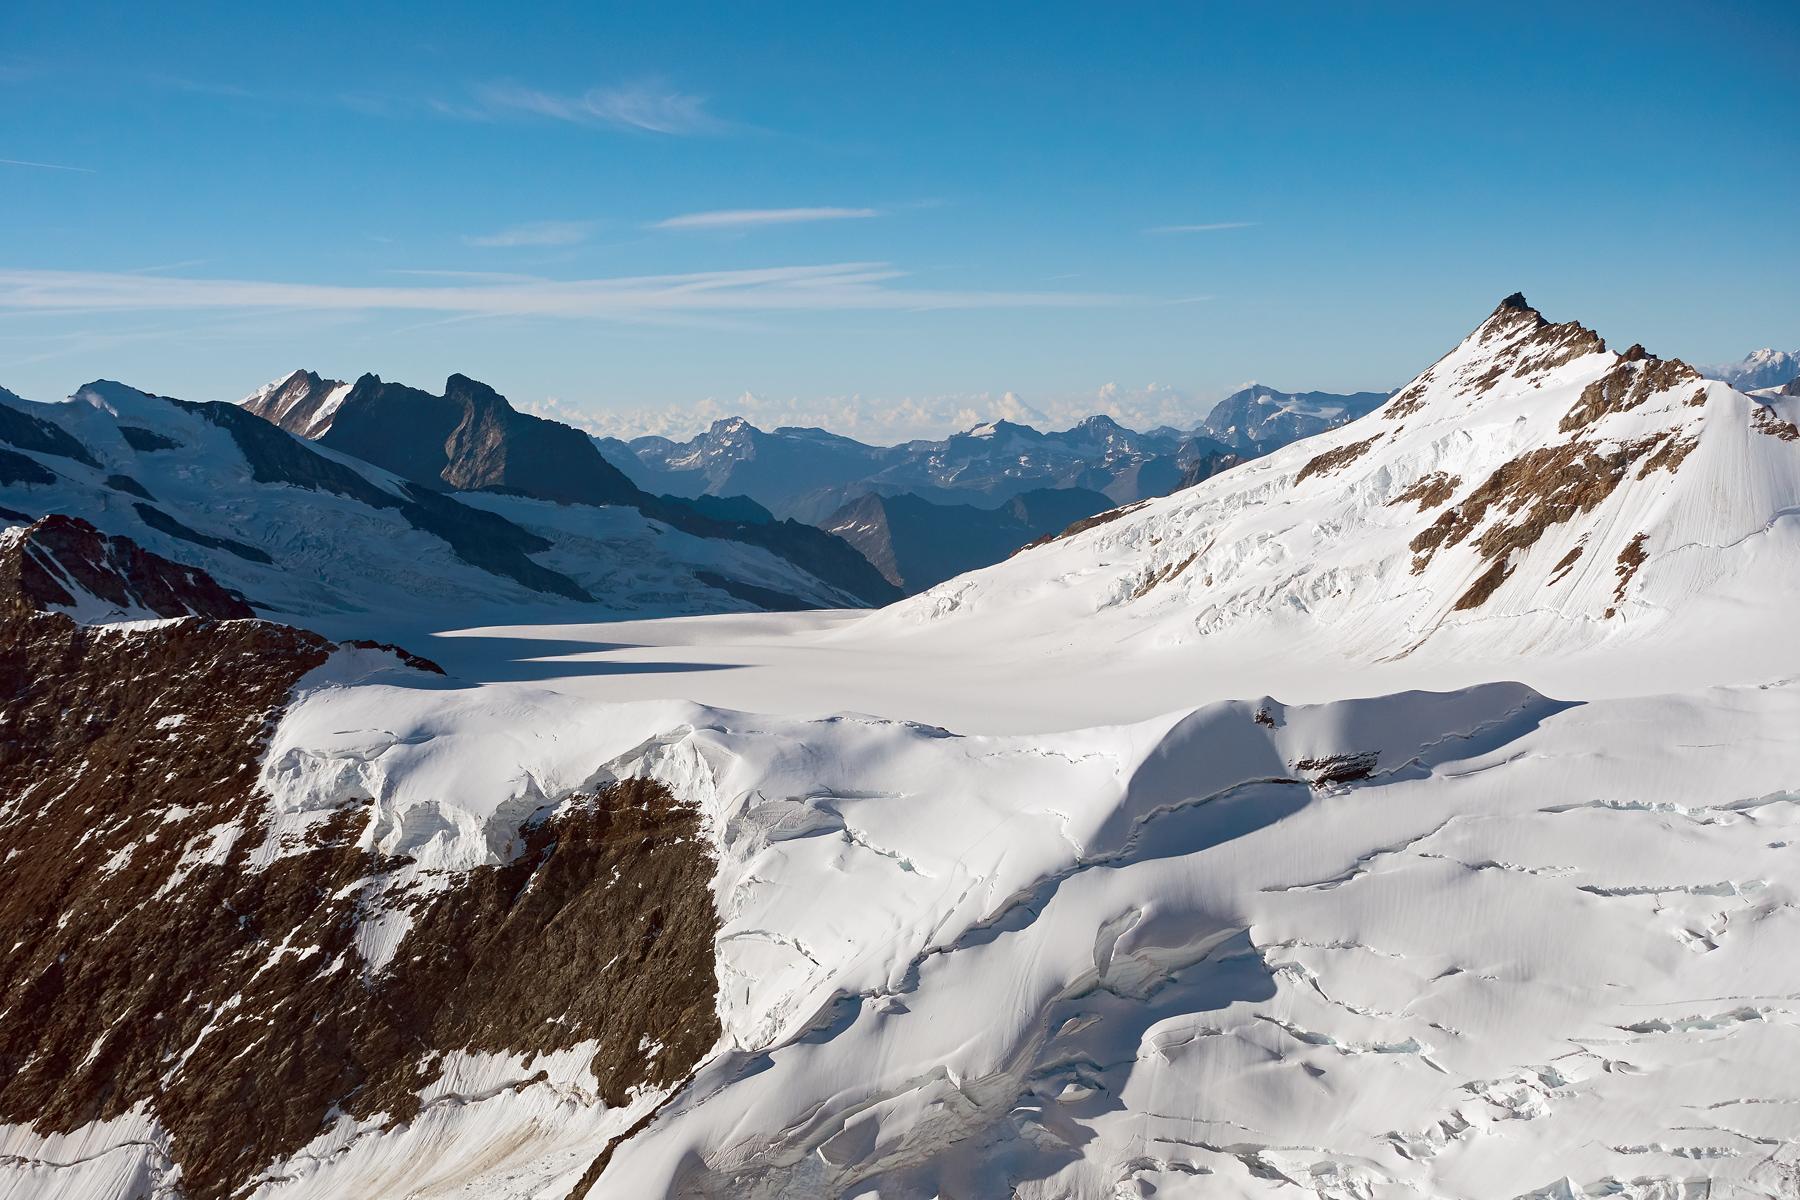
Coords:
pixel 1471 938
pixel 307 533
pixel 1533 494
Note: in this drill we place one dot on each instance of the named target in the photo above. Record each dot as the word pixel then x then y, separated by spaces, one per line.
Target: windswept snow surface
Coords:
pixel 1466 944
pixel 1224 849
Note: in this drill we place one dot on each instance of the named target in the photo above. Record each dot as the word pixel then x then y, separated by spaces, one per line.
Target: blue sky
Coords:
pixel 887 220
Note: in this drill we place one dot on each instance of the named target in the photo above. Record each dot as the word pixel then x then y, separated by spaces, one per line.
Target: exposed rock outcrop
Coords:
pixel 64 562
pixel 172 946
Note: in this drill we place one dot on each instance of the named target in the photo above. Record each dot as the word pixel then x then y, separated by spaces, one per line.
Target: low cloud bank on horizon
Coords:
pixel 887 421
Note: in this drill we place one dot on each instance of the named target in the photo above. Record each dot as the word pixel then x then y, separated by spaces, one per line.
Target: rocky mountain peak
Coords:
pixel 1542 481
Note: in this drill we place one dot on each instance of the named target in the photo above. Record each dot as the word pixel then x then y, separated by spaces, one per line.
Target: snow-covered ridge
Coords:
pixel 306 532
pixel 1531 493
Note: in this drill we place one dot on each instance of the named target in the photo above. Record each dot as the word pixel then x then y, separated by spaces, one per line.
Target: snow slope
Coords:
pixel 1530 496
pixel 1457 945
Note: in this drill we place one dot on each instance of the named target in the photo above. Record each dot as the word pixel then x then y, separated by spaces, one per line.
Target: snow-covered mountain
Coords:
pixel 1257 419
pixel 470 439
pixel 308 532
pixel 295 919
pixel 1531 494
pixel 1764 368
pixel 735 458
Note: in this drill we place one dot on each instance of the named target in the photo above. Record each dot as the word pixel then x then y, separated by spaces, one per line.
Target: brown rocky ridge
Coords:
pixel 153 962
pixel 58 561
pixel 1429 491
pixel 1536 347
pixel 1551 485
pixel 1766 421
pixel 1332 460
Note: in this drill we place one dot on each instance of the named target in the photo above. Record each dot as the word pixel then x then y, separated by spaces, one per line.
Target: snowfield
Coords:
pixel 1411 813
pixel 1471 944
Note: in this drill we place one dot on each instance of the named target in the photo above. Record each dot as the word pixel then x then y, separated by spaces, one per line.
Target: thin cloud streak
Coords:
pixel 471 276
pixel 536 233
pixel 1213 227
pixel 640 106
pixel 834 286
pixel 740 218
pixel 43 166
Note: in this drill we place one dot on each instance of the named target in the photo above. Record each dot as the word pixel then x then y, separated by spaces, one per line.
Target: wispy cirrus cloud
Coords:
pixel 44 166
pixel 535 233
pixel 202 87
pixel 832 286
pixel 1210 227
pixel 745 218
pixel 646 107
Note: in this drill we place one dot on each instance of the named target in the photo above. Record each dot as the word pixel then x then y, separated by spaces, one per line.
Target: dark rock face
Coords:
pixel 480 538
pixel 471 439
pixel 54 558
pixel 230 998
pixel 917 545
pixel 18 468
pixel 467 439
pixel 128 485
pixel 145 441
pixel 20 428
pixel 162 522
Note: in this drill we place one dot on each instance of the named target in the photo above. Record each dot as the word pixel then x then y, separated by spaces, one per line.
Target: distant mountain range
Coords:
pixel 312 482
pixel 809 474
pixel 1759 369
pixel 924 510
pixel 1259 420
